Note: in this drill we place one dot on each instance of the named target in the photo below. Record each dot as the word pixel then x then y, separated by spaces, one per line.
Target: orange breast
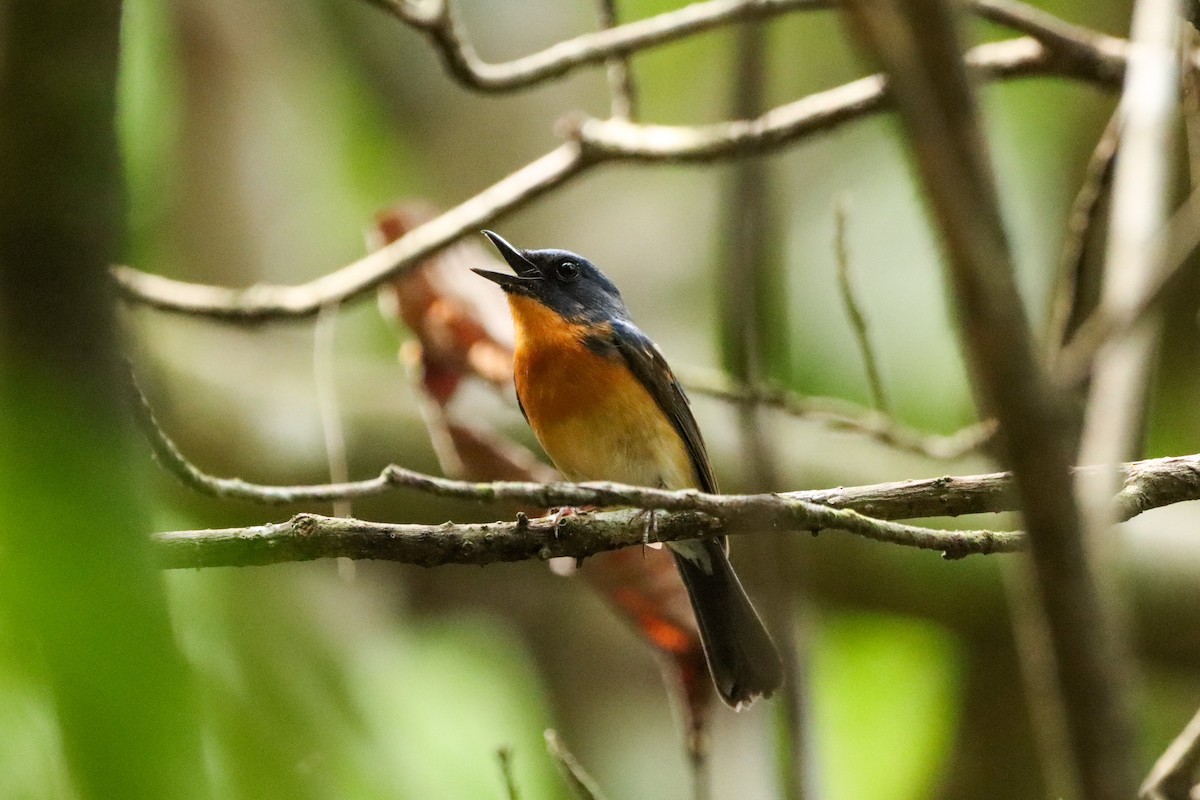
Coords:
pixel 591 415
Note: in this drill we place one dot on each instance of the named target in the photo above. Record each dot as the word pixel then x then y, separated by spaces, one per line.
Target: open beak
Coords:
pixel 526 272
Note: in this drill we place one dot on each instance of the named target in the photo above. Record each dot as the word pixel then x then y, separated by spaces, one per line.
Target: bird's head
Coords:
pixel 564 282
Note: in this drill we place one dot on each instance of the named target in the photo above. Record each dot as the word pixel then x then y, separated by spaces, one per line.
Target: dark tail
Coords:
pixel 741 657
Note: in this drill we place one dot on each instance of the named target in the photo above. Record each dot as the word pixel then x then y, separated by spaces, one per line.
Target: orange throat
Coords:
pixel 592 416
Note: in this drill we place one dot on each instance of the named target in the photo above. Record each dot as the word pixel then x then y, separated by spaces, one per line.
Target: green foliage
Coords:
pixel 886 692
pixel 312 689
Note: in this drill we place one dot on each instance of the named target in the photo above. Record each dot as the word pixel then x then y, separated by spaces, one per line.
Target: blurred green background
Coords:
pixel 259 139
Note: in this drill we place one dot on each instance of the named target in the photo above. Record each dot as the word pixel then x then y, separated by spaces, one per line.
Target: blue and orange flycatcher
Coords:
pixel 606 407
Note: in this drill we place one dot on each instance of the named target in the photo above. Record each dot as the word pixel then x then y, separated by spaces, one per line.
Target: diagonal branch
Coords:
pixel 1173 775
pixel 919 45
pixel 1072 47
pixel 592 142
pixel 445 32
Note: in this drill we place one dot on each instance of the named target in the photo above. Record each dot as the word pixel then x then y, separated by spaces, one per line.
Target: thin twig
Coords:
pixel 582 784
pixel 858 321
pixel 1067 298
pixel 1067 41
pixel 504 756
pixel 621 87
pixel 324 339
pixel 327 402
pixel 450 40
pixel 840 414
pixel 1177 240
pixel 593 142
pixel 1173 775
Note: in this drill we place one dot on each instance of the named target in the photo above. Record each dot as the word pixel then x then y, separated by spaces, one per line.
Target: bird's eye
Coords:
pixel 567 271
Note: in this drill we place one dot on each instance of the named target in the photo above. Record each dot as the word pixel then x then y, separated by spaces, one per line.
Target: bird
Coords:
pixel 605 406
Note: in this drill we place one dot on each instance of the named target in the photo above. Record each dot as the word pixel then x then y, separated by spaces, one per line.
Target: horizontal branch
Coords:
pixel 440 24
pixel 864 511
pixel 591 142
pixel 310 536
pixel 1073 47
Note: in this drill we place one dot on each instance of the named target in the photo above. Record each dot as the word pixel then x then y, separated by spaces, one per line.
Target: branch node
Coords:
pixel 304 525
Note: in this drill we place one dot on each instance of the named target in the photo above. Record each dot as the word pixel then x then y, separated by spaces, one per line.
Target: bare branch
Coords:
pixel 621 86
pixel 593 142
pixel 1067 297
pixel 1072 48
pixel 1039 678
pixel 1149 484
pixel 1116 402
pixel 1114 416
pixel 446 34
pixel 256 303
pixel 1078 47
pixel 918 43
pixel 310 536
pixel 858 321
pixel 1178 240
pixel 582 784
pixel 504 755
pixel 324 337
pixel 1173 776
pixel 840 414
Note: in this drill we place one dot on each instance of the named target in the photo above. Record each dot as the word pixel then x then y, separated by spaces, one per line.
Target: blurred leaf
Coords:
pixel 149 109
pixel 313 690
pixel 886 695
pixel 32 764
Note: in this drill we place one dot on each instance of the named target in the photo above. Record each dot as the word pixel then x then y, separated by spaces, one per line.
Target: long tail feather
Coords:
pixel 741 656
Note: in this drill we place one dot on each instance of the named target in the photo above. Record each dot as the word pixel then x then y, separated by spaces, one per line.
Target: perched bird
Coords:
pixel 605 406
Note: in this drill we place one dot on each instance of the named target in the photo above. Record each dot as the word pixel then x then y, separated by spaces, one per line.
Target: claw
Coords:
pixel 558 514
pixel 649 527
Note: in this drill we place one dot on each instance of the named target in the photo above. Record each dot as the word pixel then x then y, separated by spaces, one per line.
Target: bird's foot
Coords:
pixel 557 515
pixel 649 519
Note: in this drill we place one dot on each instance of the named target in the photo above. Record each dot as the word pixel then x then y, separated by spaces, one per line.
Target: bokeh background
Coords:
pixel 259 140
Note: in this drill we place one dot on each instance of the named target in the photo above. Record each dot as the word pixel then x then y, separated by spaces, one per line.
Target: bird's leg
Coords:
pixel 558 514
pixel 649 520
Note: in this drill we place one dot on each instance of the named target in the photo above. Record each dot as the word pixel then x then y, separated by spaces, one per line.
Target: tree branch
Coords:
pixel 858 320
pixel 918 43
pixel 1149 484
pixel 591 142
pixel 441 26
pixel 1173 775
pixel 840 414
pixel 621 87
pixel 582 784
pixel 1072 48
